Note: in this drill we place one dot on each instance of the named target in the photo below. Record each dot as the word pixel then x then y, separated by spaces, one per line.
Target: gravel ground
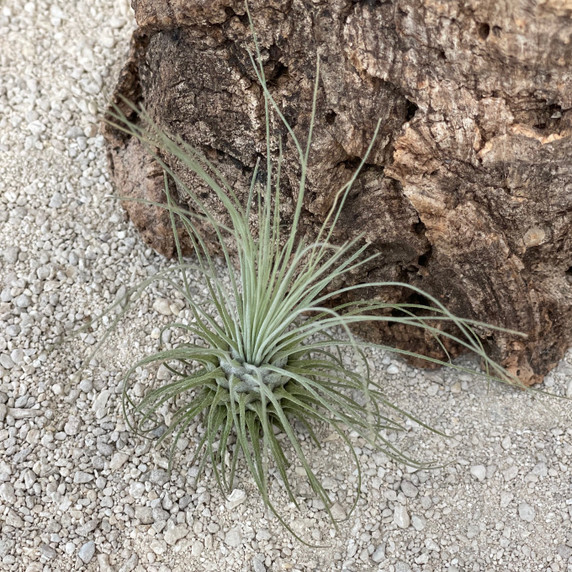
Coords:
pixel 78 492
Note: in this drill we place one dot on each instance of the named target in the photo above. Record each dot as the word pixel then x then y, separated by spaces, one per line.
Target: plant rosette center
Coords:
pixel 243 377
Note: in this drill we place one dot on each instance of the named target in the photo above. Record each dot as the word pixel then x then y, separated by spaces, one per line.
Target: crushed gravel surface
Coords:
pixel 79 492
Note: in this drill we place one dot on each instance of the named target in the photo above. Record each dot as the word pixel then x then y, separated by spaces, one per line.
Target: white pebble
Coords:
pixel 526 512
pixel 479 472
pixel 87 551
pixel 236 497
pixel 401 516
pixel 162 306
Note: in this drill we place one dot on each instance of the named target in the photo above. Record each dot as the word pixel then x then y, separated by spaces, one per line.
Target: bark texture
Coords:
pixel 468 191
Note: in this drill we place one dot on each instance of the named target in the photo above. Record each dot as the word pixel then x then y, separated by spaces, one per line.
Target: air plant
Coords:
pixel 271 355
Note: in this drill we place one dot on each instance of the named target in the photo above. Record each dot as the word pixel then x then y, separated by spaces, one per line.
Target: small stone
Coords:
pixel 3 412
pixel 401 516
pixel 86 385
pixel 378 554
pixel 103 562
pixel 158 476
pixel 479 472
pixel 56 201
pixel 510 473
pixel 175 533
pixel 72 426
pixel 7 493
pixel 87 528
pixel 136 490
pixel 130 564
pixel 418 522
pixel 12 519
pixel 11 254
pixel 23 301
pixel 87 551
pixel 99 405
pixel 505 499
pixel 13 330
pixel 409 489
pixel 258 564
pixel 526 512
pixel 158 547
pixel 393 369
pixel 233 538
pixel 6 361
pixel 236 497
pixel 81 477
pixel 118 460
pixel 338 511
pixel 144 514
pixel 160 515
pixel 162 306
pixel 540 470
pixel 47 551
pixel 17 356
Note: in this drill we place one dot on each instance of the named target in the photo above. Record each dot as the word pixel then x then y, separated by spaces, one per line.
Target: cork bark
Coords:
pixel 468 190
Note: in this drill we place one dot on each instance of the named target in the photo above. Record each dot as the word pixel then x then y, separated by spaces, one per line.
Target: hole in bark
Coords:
pixel 423 260
pixel 484 30
pixel 549 117
pixel 419 227
pixel 279 70
pixel 351 163
pixel 410 110
pixel 497 31
pixel 569 272
pixel 413 298
pixel 176 34
pixel 330 117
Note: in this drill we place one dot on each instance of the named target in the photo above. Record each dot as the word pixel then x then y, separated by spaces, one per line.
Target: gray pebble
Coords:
pixel 7 493
pixel 87 551
pixel 13 519
pixel 118 460
pixel 162 306
pixel 3 412
pixel 233 538
pixel 338 511
pixel 17 355
pixel 409 489
pixel 6 361
pixel 87 528
pixel 175 533
pixel 72 426
pixel 47 551
pixel 130 564
pixel 378 554
pixel 23 301
pixel 401 516
pixel 479 472
pixel 81 477
pixel 159 514
pixel 258 564
pixel 144 514
pixel 56 201
pixel 13 330
pixel 526 512
pixel 99 405
pixel 11 254
pixel 418 522
pixel 158 476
